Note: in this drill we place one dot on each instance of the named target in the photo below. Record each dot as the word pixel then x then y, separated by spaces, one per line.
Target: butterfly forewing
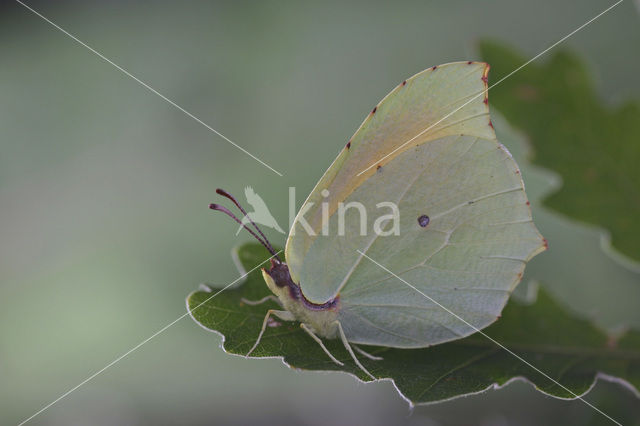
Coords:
pixel 445 100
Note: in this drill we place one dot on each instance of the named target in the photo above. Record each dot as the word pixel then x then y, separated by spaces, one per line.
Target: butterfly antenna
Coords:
pixel 234 201
pixel 226 211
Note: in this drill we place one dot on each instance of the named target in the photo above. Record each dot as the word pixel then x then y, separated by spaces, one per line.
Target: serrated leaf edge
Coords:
pixel 493 386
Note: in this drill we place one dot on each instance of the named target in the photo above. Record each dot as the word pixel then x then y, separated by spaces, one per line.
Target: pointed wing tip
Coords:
pixel 485 73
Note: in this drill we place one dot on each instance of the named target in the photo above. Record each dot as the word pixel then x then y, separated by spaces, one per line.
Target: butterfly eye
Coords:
pixel 423 220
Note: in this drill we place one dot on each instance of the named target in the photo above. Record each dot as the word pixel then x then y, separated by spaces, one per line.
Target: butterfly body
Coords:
pixel 320 318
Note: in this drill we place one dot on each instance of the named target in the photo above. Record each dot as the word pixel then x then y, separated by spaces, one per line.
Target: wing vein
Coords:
pixel 375 236
pixel 384 330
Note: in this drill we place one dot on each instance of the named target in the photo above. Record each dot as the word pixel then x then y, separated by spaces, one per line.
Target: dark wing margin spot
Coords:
pixel 485 74
pixel 423 220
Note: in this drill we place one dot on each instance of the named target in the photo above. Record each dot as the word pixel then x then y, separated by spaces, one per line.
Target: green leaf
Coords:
pixel 575 267
pixel 568 349
pixel 593 146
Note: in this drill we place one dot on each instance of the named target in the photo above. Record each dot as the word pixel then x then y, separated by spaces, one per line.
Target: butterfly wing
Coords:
pixel 441 101
pixel 468 258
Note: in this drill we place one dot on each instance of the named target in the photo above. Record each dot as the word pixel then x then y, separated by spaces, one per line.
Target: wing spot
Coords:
pixel 423 220
pixel 469 63
pixel 485 74
pixel 404 83
pixel 373 111
pixel 434 67
pixel 348 144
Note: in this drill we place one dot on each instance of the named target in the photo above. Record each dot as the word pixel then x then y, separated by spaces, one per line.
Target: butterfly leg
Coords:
pixel 261 301
pixel 347 346
pixel 310 332
pixel 367 354
pixel 283 315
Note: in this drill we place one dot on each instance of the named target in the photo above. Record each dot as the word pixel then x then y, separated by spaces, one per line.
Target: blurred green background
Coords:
pixel 104 226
